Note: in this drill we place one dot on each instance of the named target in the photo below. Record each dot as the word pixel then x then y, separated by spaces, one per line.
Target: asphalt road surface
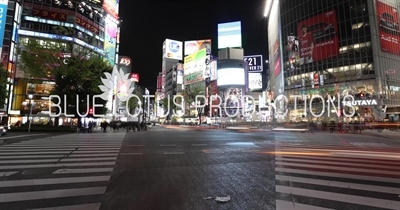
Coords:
pixel 178 169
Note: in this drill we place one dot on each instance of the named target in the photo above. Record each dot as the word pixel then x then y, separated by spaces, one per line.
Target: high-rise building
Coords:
pixel 93 25
pixel 336 48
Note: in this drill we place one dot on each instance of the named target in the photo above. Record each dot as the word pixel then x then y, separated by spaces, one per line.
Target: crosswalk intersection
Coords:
pixel 332 177
pixel 63 172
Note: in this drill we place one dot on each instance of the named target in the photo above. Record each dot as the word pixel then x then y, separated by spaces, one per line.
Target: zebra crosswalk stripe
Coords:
pixel 38 172
pixel 305 181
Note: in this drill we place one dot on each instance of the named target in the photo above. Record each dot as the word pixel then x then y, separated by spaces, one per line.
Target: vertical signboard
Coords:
pixel 179 73
pixel 110 41
pixel 389 31
pixel 318 37
pixel 3 16
pixel 125 63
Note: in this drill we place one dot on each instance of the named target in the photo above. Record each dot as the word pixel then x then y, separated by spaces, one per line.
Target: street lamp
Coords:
pixel 30 96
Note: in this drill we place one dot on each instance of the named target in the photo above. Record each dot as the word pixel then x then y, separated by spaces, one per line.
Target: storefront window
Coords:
pixel 40 89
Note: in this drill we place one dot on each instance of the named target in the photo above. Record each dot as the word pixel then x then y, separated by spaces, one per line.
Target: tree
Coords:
pixel 134 102
pixel 190 96
pixel 3 87
pixel 76 71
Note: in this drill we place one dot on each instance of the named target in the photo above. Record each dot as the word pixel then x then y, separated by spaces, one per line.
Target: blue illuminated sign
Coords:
pixel 3 16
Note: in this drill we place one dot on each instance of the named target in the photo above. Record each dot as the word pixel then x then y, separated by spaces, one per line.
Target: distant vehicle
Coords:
pixel 388 24
pixel 322 32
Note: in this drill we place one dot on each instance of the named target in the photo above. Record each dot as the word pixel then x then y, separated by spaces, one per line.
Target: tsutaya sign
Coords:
pixel 361 103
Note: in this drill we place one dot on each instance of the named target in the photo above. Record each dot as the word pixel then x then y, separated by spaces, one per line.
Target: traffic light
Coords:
pixel 90 111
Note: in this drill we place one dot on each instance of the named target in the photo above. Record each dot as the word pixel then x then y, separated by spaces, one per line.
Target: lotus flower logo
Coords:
pixel 116 83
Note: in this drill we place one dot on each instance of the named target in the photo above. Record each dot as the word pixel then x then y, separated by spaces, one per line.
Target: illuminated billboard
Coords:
pixel 111 7
pixel 255 81
pixel 110 41
pixel 194 46
pixel 254 63
pixel 173 49
pixel 231 76
pixel 229 35
pixel 318 37
pixel 134 77
pixel 389 31
pixel 195 66
pixel 213 70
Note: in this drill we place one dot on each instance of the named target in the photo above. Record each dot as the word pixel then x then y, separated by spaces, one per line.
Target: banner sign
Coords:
pixel 254 62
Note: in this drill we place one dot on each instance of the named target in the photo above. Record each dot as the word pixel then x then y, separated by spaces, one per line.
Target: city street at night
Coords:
pixel 167 168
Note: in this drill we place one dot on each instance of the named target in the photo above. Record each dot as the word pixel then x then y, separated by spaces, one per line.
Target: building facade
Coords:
pixel 92 26
pixel 336 48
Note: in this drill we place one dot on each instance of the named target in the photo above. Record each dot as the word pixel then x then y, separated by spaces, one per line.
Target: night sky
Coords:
pixel 146 24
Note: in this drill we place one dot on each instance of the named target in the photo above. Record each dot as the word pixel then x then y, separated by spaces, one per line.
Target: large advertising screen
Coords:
pixel 195 66
pixel 229 35
pixel 318 37
pixel 110 41
pixel 389 32
pixel 193 46
pixel 254 63
pixel 3 16
pixel 255 81
pixel 231 76
pixel 111 7
pixel 173 49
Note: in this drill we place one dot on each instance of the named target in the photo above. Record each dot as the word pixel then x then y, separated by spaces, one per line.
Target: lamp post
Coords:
pixel 30 96
pixel 199 111
pixel 140 107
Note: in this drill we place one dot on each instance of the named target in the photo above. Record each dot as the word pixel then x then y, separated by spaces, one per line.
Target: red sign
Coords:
pixel 159 83
pixel 277 58
pixel 318 37
pixel 135 77
pixel 49 15
pixel 389 31
pixel 87 25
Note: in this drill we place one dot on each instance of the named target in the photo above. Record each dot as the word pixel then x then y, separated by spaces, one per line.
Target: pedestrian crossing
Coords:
pixel 337 178
pixel 66 172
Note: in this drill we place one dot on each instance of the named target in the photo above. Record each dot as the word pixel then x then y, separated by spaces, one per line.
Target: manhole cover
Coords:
pixel 38 171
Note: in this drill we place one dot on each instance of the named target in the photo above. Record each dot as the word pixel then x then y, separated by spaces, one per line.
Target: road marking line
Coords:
pixel 60 165
pixel 83 170
pixel 66 180
pixel 130 153
pixel 91 206
pixel 335 163
pixel 173 153
pixel 353 169
pixel 8 173
pixel 339 175
pixel 13 137
pixel 347 185
pixel 286 205
pixel 39 195
pixel 66 149
pixel 366 201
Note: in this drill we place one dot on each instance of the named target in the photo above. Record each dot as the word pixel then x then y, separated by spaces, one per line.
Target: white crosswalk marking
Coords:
pixel 64 171
pixel 309 178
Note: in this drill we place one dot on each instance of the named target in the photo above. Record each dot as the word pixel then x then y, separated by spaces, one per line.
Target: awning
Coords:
pixel 393 110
